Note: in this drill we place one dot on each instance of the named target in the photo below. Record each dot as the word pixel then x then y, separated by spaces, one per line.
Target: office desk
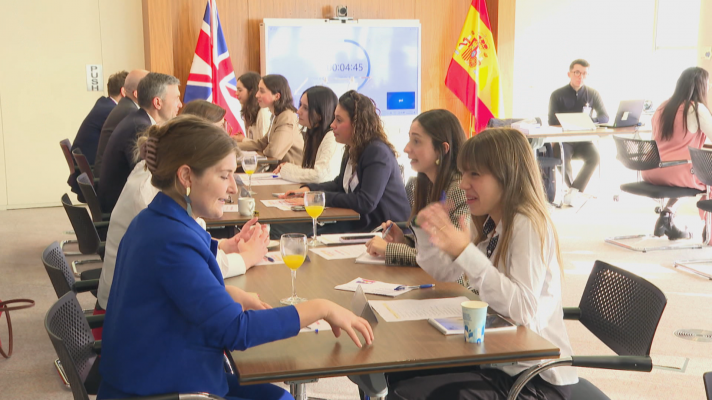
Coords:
pixel 572 136
pixel 397 346
pixel 271 215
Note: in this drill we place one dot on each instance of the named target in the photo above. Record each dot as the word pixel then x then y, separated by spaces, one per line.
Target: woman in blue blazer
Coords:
pixel 169 316
pixel 370 181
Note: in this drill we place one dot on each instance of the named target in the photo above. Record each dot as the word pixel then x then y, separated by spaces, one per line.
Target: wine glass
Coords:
pixel 314 205
pixel 249 165
pixel 294 250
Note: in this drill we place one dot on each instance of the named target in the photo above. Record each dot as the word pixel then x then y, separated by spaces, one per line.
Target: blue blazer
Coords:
pixel 169 317
pixel 380 193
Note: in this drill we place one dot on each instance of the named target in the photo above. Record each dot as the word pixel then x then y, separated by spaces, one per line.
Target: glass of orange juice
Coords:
pixel 249 165
pixel 314 205
pixel 293 247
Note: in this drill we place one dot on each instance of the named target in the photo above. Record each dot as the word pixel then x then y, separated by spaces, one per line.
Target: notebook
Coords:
pixel 576 122
pixel 628 114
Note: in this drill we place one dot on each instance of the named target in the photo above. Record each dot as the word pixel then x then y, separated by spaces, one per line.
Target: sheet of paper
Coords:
pixel 366 258
pixel 263 179
pixel 414 310
pixel 278 203
pixel 373 287
pixel 316 327
pixel 340 252
pixel 275 255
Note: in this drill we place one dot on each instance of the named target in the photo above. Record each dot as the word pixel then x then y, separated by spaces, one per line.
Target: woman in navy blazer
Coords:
pixel 370 181
pixel 170 316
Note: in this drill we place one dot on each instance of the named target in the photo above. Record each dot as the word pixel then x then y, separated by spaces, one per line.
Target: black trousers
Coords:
pixel 468 383
pixel 585 151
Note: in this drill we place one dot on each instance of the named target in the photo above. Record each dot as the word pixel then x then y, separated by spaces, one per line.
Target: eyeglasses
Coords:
pixel 579 73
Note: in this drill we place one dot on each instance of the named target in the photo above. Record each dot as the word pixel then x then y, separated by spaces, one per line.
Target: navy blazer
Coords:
pixel 87 138
pixel 169 317
pixel 118 159
pixel 125 107
pixel 380 193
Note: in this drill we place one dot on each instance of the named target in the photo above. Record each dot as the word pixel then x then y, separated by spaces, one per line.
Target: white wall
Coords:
pixel 615 36
pixel 43 96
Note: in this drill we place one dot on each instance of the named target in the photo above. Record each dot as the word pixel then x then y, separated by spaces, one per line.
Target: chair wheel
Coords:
pixel 616 197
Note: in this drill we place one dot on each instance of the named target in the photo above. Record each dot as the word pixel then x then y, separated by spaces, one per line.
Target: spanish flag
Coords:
pixel 473 74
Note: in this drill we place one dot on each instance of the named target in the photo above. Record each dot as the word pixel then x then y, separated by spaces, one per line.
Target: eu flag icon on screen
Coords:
pixel 400 100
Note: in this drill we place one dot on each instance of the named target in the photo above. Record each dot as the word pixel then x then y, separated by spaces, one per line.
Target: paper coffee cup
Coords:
pixel 474 315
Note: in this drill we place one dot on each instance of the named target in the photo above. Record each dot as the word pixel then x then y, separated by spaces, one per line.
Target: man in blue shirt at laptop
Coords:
pixel 576 98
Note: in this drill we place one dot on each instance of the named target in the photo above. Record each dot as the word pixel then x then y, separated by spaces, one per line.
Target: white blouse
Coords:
pixel 326 166
pixel 137 195
pixel 530 294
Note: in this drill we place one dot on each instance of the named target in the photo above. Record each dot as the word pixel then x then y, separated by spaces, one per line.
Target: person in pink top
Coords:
pixel 680 122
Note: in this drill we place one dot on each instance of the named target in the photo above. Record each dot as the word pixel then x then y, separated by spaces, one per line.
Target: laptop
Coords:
pixel 628 114
pixel 575 122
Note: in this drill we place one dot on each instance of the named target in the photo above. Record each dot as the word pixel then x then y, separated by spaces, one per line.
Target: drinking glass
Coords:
pixel 249 165
pixel 314 205
pixel 293 247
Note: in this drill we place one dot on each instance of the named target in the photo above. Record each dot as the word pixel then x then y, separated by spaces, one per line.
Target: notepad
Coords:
pixel 340 252
pixel 415 310
pixel 373 287
pixel 366 258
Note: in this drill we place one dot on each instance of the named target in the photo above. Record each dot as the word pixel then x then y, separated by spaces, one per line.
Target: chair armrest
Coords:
pixel 572 313
pixel 96 321
pixel 85 286
pixel 622 363
pixel 665 164
pixel 101 224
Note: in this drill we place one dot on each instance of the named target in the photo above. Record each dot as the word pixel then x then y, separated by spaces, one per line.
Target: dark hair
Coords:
pixel 443 127
pixel 691 90
pixel 154 85
pixel 184 140
pixel 205 109
pixel 250 80
pixel 579 61
pixel 115 83
pixel 278 84
pixel 321 102
pixel 365 122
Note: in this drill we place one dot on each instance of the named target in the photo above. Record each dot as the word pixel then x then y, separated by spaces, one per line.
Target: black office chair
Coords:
pixel 84 166
pixel 623 310
pixel 100 219
pixel 707 377
pixel 642 155
pixel 61 276
pixel 702 168
pixel 71 337
pixel 87 236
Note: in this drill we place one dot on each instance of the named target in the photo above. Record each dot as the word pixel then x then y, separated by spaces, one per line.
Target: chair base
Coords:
pixel 616 241
pixel 683 264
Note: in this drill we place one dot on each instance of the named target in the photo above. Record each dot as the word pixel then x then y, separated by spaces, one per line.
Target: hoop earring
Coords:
pixel 189 208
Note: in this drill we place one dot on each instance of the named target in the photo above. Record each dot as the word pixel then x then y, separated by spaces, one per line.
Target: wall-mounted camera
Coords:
pixel 342 13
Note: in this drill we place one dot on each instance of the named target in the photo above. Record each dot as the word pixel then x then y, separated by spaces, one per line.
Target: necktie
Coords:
pixel 489 227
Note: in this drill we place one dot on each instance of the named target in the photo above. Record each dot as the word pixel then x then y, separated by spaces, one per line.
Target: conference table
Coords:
pixel 272 215
pixel 397 346
pixel 587 135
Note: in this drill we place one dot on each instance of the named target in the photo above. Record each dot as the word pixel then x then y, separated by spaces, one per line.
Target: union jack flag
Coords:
pixel 211 75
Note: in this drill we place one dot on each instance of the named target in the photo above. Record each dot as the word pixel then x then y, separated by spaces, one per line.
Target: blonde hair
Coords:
pixel 506 155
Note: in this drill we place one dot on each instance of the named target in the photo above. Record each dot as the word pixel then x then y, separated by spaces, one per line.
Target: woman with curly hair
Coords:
pixel 369 181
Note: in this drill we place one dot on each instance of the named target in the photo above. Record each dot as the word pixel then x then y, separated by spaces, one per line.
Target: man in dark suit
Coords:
pixel 126 106
pixel 88 134
pixel 159 99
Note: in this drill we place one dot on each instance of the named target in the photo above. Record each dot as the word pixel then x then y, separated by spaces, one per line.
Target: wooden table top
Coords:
pixel 397 346
pixel 600 132
pixel 272 215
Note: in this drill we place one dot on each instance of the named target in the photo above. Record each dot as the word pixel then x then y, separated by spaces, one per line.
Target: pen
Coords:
pixel 270 259
pixel 443 198
pixel 385 232
pixel 275 176
pixel 429 285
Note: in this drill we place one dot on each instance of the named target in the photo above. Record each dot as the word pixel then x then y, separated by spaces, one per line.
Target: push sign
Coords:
pixel 95 78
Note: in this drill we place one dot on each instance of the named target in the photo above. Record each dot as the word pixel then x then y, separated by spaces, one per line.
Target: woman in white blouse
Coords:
pixel 322 155
pixel 510 253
